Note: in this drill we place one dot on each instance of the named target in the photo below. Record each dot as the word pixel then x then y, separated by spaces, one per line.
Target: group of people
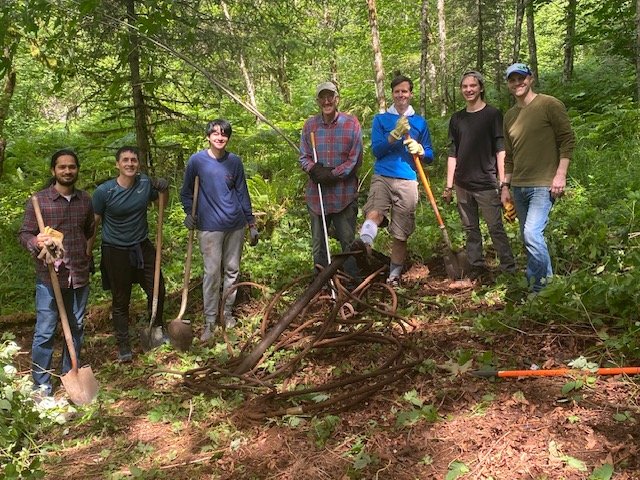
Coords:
pixel 523 159
pixel 492 164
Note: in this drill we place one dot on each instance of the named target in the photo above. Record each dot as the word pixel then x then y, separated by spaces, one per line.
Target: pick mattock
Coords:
pixel 324 220
pixel 80 383
pixel 151 337
pixel 456 263
pixel 180 331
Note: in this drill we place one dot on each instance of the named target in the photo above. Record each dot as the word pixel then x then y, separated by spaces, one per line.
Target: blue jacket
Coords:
pixel 392 159
pixel 223 202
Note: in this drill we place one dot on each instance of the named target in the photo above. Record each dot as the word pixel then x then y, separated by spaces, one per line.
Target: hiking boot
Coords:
pixel 229 321
pixel 125 356
pixel 393 282
pixel 207 333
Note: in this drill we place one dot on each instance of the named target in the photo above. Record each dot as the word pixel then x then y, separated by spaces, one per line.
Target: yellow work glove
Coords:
pixel 414 147
pixel 509 212
pixel 53 246
pixel 401 129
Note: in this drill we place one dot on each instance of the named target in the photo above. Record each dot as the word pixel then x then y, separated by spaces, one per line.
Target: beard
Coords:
pixel 66 181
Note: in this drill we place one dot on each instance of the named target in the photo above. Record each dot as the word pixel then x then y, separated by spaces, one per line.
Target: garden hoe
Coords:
pixel 180 331
pixel 456 264
pixel 151 337
pixel 80 383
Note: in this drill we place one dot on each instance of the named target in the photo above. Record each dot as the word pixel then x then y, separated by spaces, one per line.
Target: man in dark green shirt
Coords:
pixel 539 143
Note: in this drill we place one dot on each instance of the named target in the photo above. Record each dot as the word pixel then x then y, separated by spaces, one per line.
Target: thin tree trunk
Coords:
pixel 7 94
pixel 251 91
pixel 424 55
pixel 442 33
pixel 329 28
pixel 517 30
pixel 638 50
pixel 479 40
pixel 282 77
pixel 377 55
pixel 531 40
pixel 139 107
pixel 570 33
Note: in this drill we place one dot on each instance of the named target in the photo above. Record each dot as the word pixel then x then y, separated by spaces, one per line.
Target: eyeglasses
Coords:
pixel 327 96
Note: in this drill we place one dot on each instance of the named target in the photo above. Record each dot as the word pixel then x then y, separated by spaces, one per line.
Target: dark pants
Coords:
pixel 470 204
pixel 122 268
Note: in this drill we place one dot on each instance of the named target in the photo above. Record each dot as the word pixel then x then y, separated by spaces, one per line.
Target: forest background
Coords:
pixel 94 75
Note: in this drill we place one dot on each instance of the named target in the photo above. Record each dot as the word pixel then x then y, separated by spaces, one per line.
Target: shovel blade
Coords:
pixel 456 265
pixel 180 334
pixel 81 385
pixel 151 337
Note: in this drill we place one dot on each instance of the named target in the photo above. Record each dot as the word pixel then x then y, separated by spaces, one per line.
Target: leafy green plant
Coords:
pixel 456 470
pixel 420 411
pixel 323 428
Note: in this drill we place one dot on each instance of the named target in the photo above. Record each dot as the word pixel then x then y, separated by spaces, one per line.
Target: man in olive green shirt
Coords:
pixel 539 143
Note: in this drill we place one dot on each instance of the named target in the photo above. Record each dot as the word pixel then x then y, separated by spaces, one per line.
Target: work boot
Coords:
pixel 124 354
pixel 207 333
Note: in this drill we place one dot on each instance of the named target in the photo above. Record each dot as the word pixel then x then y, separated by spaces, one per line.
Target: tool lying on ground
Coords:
pixel 324 219
pixel 80 383
pixel 456 263
pixel 556 372
pixel 151 336
pixel 181 331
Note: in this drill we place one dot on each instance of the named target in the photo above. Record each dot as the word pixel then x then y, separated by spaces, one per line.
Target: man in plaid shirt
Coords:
pixel 69 211
pixel 338 142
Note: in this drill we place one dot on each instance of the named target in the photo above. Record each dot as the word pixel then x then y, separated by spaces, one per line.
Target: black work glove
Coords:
pixel 254 236
pixel 191 222
pixel 322 175
pixel 160 184
pixel 447 195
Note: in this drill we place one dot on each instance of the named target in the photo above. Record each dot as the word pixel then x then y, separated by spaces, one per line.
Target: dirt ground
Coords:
pixel 512 429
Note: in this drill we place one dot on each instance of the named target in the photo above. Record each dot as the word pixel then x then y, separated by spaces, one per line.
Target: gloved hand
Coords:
pixel 322 175
pixel 254 236
pixel 401 128
pixel 414 147
pixel 160 184
pixel 447 195
pixel 509 212
pixel 191 221
pixel 53 249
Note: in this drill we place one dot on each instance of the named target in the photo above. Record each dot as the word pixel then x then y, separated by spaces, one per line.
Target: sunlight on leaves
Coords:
pixel 604 472
pixel 456 470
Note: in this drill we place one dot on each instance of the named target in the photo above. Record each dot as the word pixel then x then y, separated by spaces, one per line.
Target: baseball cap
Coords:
pixel 326 86
pixel 521 68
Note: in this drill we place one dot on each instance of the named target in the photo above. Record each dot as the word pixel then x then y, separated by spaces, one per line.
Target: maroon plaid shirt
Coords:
pixel 72 217
pixel 338 145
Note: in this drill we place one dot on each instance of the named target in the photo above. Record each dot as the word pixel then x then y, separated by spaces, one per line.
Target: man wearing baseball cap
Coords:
pixel 332 188
pixel 539 143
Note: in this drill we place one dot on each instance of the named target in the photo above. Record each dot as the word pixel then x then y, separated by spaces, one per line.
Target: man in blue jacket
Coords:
pixel 393 194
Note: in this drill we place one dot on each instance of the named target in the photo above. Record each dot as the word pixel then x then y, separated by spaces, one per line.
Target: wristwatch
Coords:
pixel 505 184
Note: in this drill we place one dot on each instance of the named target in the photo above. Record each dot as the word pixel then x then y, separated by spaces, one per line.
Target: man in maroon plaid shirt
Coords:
pixel 69 211
pixel 338 141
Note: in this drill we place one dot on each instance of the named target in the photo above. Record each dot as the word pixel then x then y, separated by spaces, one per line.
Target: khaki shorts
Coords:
pixel 397 200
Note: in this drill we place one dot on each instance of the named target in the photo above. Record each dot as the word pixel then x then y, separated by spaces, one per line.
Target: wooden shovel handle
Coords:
pixel 57 292
pixel 187 264
pixel 156 271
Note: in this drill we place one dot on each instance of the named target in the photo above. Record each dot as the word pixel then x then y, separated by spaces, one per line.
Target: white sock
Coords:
pixel 368 231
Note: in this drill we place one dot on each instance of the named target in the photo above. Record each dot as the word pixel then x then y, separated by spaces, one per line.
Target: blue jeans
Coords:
pixel 344 223
pixel 533 205
pixel 75 302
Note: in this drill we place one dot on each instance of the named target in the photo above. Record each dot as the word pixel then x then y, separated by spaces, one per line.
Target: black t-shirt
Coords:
pixel 475 138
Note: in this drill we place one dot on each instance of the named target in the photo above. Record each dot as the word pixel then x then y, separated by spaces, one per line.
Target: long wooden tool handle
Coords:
pixel 427 187
pixel 187 264
pixel 156 271
pixel 559 372
pixel 57 292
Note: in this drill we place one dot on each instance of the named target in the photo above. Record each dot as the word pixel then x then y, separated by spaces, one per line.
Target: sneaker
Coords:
pixel 230 321
pixel 393 282
pixel 125 357
pixel 207 333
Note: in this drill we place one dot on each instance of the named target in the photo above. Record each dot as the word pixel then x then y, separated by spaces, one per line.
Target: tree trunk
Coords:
pixel 479 37
pixel 570 33
pixel 517 30
pixel 638 50
pixel 442 34
pixel 329 28
pixel 139 107
pixel 531 40
pixel 424 56
pixel 8 53
pixel 251 91
pixel 377 55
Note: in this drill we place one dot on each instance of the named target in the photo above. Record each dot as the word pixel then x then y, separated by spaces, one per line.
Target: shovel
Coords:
pixel 180 331
pixel 456 264
pixel 151 337
pixel 80 383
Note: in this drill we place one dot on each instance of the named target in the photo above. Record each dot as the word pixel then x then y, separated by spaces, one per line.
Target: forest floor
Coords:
pixel 147 424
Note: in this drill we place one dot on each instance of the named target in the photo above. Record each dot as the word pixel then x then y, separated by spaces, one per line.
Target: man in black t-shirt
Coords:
pixel 475 164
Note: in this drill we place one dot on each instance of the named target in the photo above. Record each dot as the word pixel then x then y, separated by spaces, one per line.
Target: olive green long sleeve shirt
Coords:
pixel 536 137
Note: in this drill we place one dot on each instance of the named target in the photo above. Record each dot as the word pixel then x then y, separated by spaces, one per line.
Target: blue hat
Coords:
pixel 521 68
